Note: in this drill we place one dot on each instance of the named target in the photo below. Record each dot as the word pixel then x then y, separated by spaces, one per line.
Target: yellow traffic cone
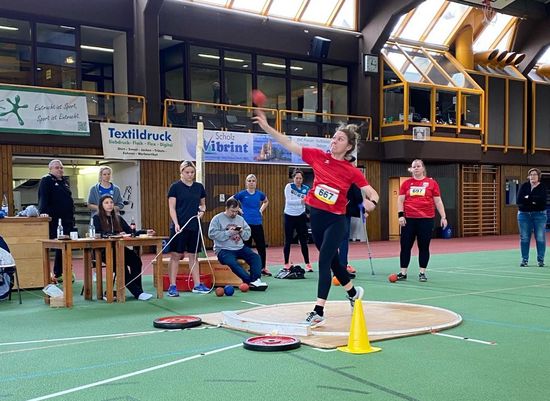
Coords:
pixel 358 341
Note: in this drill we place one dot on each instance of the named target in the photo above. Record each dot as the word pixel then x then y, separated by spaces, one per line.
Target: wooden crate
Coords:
pixel 222 274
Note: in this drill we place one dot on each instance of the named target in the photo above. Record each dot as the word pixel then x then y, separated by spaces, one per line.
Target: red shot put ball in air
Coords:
pixel 392 278
pixel 258 98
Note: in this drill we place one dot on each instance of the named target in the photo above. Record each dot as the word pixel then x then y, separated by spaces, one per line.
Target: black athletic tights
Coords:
pixel 421 230
pixel 298 223
pixel 328 230
pixel 257 234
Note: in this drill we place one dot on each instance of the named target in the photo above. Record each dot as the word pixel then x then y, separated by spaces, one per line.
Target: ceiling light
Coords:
pixel 274 65
pixel 209 56
pixel 8 28
pixel 89 170
pixel 69 60
pixel 97 48
pixel 214 57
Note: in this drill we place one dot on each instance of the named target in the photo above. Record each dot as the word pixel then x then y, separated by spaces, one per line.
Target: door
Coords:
pixel 393 221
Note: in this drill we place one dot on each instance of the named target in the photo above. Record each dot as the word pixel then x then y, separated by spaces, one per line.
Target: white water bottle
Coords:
pixel 59 229
pixel 5 207
pixel 91 229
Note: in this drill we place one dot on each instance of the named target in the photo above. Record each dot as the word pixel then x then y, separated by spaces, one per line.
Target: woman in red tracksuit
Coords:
pixel 333 175
pixel 415 205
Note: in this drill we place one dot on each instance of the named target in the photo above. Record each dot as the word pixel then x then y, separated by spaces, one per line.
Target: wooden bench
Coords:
pixel 222 274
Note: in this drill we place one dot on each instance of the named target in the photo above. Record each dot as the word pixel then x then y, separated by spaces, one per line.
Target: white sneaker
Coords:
pixel 314 320
pixel 258 285
pixel 145 296
pixel 359 295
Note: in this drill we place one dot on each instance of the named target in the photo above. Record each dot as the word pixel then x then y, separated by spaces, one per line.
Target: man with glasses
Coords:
pixel 229 230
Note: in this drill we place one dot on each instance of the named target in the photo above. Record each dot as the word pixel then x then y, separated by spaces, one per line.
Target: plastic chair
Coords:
pixel 12 271
pixel 7 265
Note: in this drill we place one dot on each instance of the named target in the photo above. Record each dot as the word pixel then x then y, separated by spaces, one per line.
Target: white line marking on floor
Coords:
pixel 136 373
pixel 52 346
pixel 131 334
pixel 253 303
pixel 324 350
pixel 465 338
pixel 475 292
pixel 538 276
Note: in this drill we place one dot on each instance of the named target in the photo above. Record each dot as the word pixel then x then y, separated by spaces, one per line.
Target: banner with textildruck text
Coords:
pixel 42 111
pixel 142 142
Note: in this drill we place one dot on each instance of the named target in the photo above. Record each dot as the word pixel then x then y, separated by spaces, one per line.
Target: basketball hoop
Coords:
pixel 489 13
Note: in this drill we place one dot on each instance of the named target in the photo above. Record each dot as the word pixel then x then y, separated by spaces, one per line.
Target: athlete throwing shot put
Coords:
pixel 333 175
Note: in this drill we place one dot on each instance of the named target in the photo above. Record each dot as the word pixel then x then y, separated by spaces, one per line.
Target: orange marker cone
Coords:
pixel 358 341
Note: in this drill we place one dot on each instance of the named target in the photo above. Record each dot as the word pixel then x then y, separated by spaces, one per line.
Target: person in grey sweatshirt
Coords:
pixel 229 230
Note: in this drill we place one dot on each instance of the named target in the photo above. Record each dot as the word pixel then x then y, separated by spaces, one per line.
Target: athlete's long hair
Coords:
pixel 351 134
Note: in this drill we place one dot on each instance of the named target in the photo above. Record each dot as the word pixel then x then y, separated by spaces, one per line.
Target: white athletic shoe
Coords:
pixel 359 295
pixel 258 285
pixel 145 296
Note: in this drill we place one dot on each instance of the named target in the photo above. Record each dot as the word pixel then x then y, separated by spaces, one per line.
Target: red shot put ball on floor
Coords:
pixel 258 98
pixel 220 292
pixel 244 287
pixel 392 278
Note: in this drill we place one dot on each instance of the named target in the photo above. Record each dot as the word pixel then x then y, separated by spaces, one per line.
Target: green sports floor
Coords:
pixel 111 352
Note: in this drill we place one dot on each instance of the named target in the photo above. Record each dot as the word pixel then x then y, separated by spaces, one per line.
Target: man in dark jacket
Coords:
pixel 55 200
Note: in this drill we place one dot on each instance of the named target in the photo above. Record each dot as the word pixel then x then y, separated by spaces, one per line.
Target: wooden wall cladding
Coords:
pixel 374 221
pixel 6 173
pixel 225 179
pixel 220 179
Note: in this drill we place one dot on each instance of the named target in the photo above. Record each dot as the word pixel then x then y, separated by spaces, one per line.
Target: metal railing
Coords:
pixel 308 123
pixel 215 116
pixel 227 117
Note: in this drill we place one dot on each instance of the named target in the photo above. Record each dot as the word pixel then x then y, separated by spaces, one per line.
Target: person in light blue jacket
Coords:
pixel 104 187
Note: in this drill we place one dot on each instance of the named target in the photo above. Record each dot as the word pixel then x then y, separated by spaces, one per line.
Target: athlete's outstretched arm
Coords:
pixel 261 120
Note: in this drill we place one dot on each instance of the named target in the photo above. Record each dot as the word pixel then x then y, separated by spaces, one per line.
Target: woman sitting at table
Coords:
pixel 107 222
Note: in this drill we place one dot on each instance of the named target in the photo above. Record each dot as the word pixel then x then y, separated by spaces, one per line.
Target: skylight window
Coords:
pixel 419 21
pixel 445 25
pixel 319 11
pixel 545 58
pixel 486 40
pixel 285 8
pixel 248 5
pixel 331 13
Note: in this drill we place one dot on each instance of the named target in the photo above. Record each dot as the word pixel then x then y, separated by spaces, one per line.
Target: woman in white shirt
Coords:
pixel 295 217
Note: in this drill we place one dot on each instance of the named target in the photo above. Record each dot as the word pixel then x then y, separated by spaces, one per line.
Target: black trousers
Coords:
pixel 421 231
pixel 259 240
pixel 298 223
pixel 132 272
pixel 328 230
